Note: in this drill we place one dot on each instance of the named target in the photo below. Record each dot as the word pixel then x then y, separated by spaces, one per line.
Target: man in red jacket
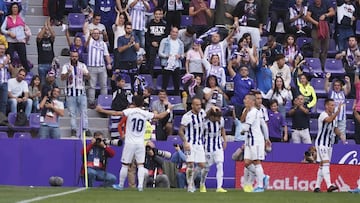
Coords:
pixel 97 153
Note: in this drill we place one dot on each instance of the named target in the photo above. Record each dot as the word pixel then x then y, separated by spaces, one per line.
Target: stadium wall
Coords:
pixel 31 162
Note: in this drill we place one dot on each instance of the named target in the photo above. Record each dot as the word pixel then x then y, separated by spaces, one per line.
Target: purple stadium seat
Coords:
pixel 300 41
pixel 174 99
pixel 76 21
pixel 185 21
pixel 34 121
pixel 159 82
pixel 313 66
pixel 174 139
pixel 263 41
pixel 68 4
pixel 357 31
pixel 12 118
pixel 3 135
pixel 334 66
pixel 28 77
pixel 318 85
pixel 313 127
pixel 332 49
pixel 320 105
pixel 229 121
pixel 22 135
pixel 105 101
pixel 176 122
pixel 350 128
pixel 349 106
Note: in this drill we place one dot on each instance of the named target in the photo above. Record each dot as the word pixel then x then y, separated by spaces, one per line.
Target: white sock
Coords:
pixel 259 172
pixel 190 176
pixel 141 175
pixel 246 176
pixel 122 175
pixel 219 174
pixel 204 173
pixel 319 177
pixel 326 174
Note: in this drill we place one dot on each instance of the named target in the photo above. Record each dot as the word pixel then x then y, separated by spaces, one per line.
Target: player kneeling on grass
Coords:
pixel 134 138
pixel 254 151
pixel 324 141
pixel 215 143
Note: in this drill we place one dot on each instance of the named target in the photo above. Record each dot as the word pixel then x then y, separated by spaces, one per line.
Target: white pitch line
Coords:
pixel 53 195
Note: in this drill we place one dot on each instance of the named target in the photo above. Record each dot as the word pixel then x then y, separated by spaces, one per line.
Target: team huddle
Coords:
pixel 204 142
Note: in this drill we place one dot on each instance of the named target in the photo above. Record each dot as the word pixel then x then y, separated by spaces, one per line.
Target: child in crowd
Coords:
pixel 278 131
pixel 35 92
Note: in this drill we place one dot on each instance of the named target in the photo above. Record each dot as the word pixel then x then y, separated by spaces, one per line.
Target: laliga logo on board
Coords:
pixel 289 183
pixel 350 158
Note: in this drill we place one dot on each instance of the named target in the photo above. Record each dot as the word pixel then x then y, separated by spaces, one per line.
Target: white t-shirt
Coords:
pixel 136 124
pixel 119 30
pixel 17 88
pixel 252 123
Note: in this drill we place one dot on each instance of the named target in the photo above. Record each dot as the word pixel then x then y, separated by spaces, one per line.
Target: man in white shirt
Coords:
pixel 18 92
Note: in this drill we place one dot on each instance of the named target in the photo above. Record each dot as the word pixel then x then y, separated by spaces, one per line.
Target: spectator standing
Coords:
pixel 18 92
pixel 214 68
pixel 49 128
pixel 320 10
pixel 171 52
pixel 97 154
pixel 128 45
pixel 278 131
pixel 74 73
pixel 279 10
pixel 223 16
pixel 345 19
pixel 56 10
pixel 173 9
pixel 218 47
pixel 3 11
pixel 95 24
pixel 156 32
pixel 187 36
pixel 298 25
pixel 199 11
pixel 357 107
pixel 213 94
pixel 4 77
pixel 263 76
pixel 45 48
pixel 307 91
pixel 300 121
pixel 248 18
pixel 281 69
pixel 119 30
pixel 194 58
pixel 338 92
pixel 97 65
pixel 138 9
pixel 16 32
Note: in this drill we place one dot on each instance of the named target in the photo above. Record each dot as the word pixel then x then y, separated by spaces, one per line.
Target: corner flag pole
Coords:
pixel 83 137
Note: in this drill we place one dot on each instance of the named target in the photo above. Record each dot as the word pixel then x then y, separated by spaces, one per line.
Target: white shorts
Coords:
pixel 196 154
pixel 133 149
pixel 323 153
pixel 214 157
pixel 254 152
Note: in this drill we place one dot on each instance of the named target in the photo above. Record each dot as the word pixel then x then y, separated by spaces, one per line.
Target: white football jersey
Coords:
pixel 326 134
pixel 136 124
pixel 212 135
pixel 254 135
pixel 194 124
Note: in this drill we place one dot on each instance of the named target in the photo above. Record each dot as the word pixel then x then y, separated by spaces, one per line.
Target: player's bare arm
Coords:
pixel 108 112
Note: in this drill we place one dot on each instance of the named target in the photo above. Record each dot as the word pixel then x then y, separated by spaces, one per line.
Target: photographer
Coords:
pixel 155 176
pixel 310 155
pixel 51 109
pixel 97 153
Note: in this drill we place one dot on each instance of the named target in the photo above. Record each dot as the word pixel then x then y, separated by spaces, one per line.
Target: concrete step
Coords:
pixel 35 20
pixel 58 30
pixel 66 132
pixel 94 122
pixel 35 3
pixel 35 10
pixel 91 114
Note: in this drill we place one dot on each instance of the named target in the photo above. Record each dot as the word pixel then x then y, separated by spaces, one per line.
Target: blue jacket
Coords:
pixel 164 51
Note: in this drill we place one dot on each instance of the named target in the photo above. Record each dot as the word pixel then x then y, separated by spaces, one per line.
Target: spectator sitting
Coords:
pixel 155 176
pixel 193 88
pixel 54 108
pixel 18 92
pixel 97 154
pixel 213 94
pixel 213 68
pixel 35 92
pixel 290 51
pixel 5 68
pixel 163 126
pixel 278 131
pixel 48 84
pixel 263 74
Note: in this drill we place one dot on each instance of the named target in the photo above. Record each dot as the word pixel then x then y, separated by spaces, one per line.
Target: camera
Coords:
pixel 162 153
pixel 114 142
pixel 214 97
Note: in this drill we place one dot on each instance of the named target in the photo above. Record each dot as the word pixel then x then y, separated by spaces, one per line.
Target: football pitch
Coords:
pixel 107 195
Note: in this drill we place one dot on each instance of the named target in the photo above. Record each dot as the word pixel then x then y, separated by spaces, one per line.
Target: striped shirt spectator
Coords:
pixel 138 10
pixel 295 11
pixel 75 85
pixel 97 50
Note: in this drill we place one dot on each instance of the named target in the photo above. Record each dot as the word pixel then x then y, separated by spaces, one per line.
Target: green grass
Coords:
pixel 107 195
